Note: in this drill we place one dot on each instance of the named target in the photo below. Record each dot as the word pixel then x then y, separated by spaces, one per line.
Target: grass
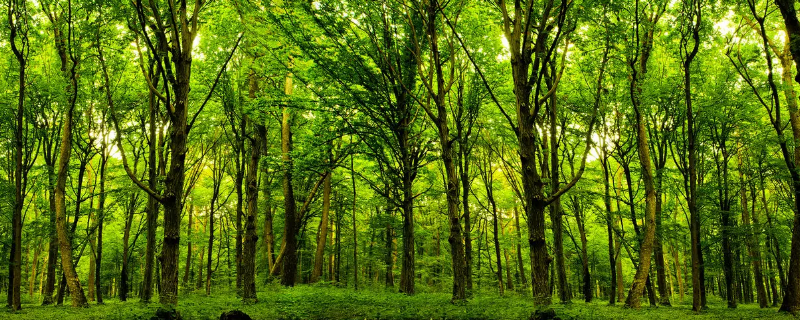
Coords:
pixel 322 302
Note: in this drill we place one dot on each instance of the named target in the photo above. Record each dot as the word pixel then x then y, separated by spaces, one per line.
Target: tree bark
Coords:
pixel 322 235
pixel 440 119
pixel 610 218
pixel 751 237
pixel 100 217
pixel 646 249
pixel 188 266
pixel 250 236
pixel 520 262
pixel 289 248
pixel 791 300
pixel 15 16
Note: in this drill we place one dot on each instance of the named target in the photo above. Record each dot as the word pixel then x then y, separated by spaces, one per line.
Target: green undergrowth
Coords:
pixel 323 302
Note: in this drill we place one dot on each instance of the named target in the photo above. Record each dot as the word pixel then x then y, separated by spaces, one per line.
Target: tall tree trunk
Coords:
pixel 646 249
pixel 322 235
pixel 15 16
pixel 290 207
pixel 101 210
pixel 751 236
pixel 188 266
pixel 251 237
pixel 124 286
pixel 487 181
pixel 610 218
pixel 587 280
pixel 698 289
pixel 440 119
pixel 52 246
pixel 661 276
pixel 465 190
pixel 152 203
pixel 520 262
pixel 355 229
pixel 240 199
pixel 389 250
pixel 65 245
pixel 726 226
pixel 791 300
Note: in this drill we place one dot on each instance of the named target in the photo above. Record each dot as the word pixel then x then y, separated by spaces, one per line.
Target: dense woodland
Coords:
pixel 633 152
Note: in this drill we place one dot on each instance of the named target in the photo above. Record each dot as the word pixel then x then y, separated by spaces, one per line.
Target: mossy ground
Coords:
pixel 321 302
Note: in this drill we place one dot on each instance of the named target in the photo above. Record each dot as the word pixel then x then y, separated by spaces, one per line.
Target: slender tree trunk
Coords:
pixel 751 238
pixel 610 218
pixel 440 119
pixel 509 278
pixel 124 286
pixel 389 244
pixel 240 199
pixel 322 236
pixel 100 217
pixel 661 276
pixel 465 190
pixel 587 280
pixel 152 203
pixel 520 262
pixel 495 223
pixel 92 221
pixel 52 246
pixel 355 229
pixel 290 207
pixel 20 172
pixel 188 266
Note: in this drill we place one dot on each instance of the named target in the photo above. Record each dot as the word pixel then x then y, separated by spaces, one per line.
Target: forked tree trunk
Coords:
pixel 453 200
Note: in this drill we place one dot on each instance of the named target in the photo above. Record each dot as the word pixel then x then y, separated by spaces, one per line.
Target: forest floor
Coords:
pixel 320 302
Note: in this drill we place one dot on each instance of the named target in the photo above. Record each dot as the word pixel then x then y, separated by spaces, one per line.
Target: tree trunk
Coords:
pixel 124 286
pixel 322 236
pixel 587 280
pixel 610 218
pixel 751 237
pixel 188 266
pixel 791 300
pixel 240 198
pixel 440 119
pixel 52 246
pixel 290 207
pixel 100 217
pixel 661 276
pixel 389 243
pixel 20 167
pixel 509 278
pixel 251 237
pixel 152 203
pixel 520 262
pixel 646 250
pixel 65 245
pixel 495 223
pixel 355 229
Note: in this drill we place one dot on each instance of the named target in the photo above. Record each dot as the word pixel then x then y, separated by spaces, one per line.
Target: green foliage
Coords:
pixel 329 303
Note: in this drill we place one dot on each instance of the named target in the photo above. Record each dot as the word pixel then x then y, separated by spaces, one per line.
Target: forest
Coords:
pixel 399 159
